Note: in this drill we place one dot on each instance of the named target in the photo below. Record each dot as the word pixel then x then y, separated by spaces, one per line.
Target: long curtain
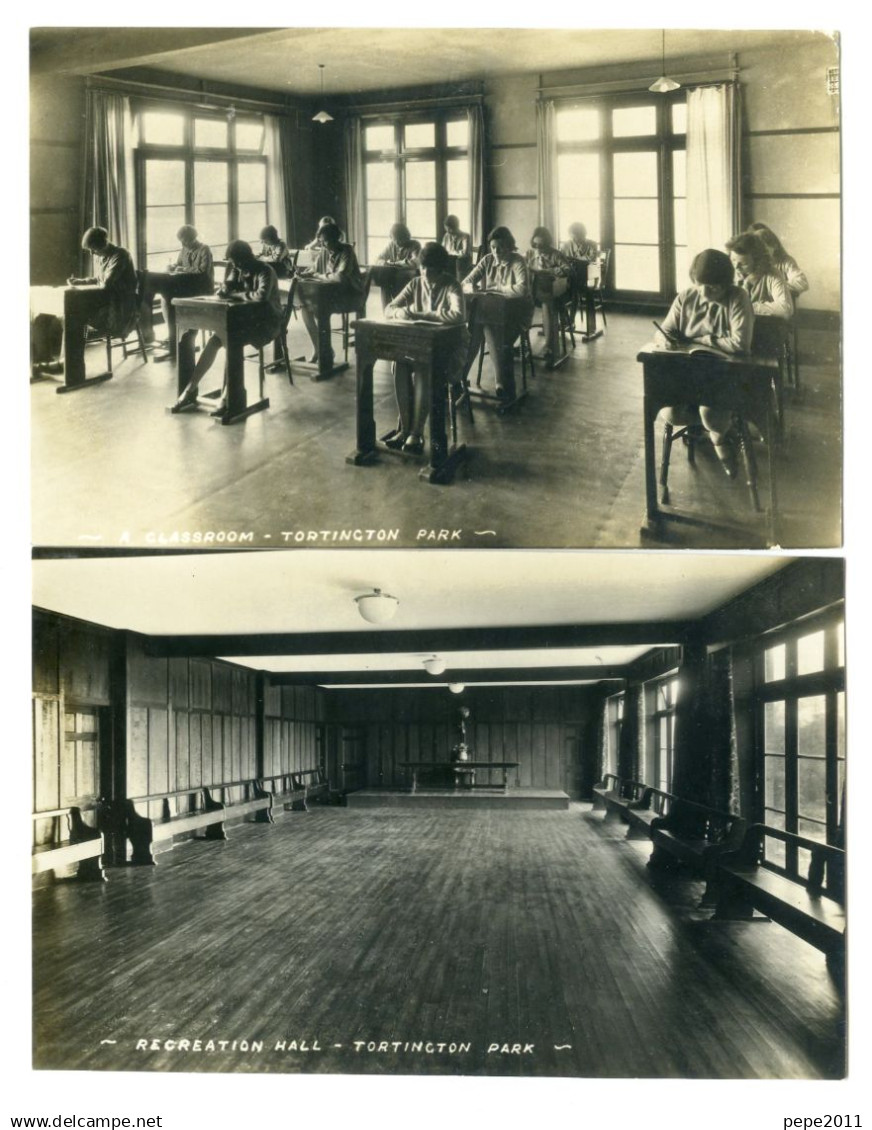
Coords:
pixel 355 218
pixel 632 728
pixel 713 166
pixel 278 143
pixel 546 155
pixel 477 229
pixel 108 199
pixel 706 763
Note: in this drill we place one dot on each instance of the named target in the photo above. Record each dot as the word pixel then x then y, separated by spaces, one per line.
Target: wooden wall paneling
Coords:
pixel 46 753
pixel 524 732
pixel 222 695
pixel 179 680
pixel 195 746
pixel 512 753
pixel 183 776
pixel 68 757
pixel 147 678
pixel 553 755
pixel 45 654
pixel 217 770
pixel 160 778
pixel 272 701
pixel 137 751
pixel 84 663
pixel 207 739
pixel 200 684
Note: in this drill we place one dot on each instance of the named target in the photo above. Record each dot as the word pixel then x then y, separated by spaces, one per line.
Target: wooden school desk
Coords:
pixel 507 314
pixel 744 385
pixel 169 285
pixel 232 321
pixel 73 304
pixel 325 299
pixel 550 290
pixel 583 297
pixel 429 348
pixel 390 278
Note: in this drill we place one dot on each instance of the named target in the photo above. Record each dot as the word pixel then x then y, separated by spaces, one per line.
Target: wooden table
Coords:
pixel 548 289
pixel 459 769
pixel 74 305
pixel 583 296
pixel 390 277
pixel 506 314
pixel 744 385
pixel 429 348
pixel 170 285
pixel 325 299
pixel 232 321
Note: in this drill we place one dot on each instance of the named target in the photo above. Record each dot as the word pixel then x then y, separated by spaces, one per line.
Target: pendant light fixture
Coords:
pixel 663 84
pixel 322 116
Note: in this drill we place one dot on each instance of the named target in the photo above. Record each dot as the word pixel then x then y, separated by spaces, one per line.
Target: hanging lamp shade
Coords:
pixel 322 116
pixel 377 607
pixel 663 85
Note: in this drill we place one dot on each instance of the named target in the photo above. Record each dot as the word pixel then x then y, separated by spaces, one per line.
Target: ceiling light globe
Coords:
pixel 434 665
pixel 377 607
pixel 456 688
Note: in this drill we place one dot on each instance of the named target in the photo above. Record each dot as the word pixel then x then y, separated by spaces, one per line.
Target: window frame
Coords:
pixel 233 156
pixel 656 774
pixel 828 683
pixel 664 142
pixel 440 153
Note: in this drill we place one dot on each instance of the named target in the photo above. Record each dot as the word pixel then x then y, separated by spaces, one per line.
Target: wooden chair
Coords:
pixel 694 433
pixel 458 395
pixel 116 341
pixel 772 339
pixel 598 287
pixel 280 343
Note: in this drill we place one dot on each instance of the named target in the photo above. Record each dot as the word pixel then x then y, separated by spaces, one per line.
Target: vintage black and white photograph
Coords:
pixel 366 813
pixel 357 287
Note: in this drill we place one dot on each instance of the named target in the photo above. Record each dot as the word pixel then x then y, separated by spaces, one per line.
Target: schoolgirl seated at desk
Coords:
pixel 315 244
pixel 578 246
pixel 339 267
pixel 248 279
pixel 275 252
pixel 457 244
pixel 502 271
pixel 754 273
pixel 544 256
pixel 784 265
pixel 401 248
pixel 434 296
pixel 714 312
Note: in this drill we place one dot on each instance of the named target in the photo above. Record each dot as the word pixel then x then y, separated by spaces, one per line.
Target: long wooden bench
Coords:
pixel 696 836
pixel 615 794
pixel 286 796
pixel 811 907
pixel 653 804
pixel 188 810
pixel 73 842
pixel 313 784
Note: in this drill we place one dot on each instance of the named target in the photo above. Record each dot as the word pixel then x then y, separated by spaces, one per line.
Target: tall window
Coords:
pixel 621 172
pixel 661 695
pixel 801 718
pixel 200 168
pixel 416 173
pixel 614 719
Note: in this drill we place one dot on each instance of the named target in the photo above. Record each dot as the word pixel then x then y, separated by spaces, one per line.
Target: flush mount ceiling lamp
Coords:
pixel 322 116
pixel 377 607
pixel 434 665
pixel 457 688
pixel 663 84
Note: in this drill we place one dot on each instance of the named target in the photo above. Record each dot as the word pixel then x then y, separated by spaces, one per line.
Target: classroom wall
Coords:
pixel 57 110
pixel 550 730
pixel 291 720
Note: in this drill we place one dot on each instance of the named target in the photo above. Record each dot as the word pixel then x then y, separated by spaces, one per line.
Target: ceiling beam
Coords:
pixel 468 675
pixel 423 640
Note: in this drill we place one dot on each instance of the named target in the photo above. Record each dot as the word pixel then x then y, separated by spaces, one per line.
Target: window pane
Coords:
pixel 584 211
pixel 161 225
pixel 210 133
pixel 679 117
pixel 578 124
pixel 680 221
pixel 251 181
pixel 421 219
pixel 457 133
pixel 162 127
pixel 457 173
pixel 679 173
pixel 381 181
pixel 840 724
pixel 813 830
pixel 210 182
pixel 635 174
pixel 774 783
pixel 420 135
pixel 420 180
pixel 252 217
pixel 636 221
pixel 773 727
pixel 634 121
pixel 460 209
pixel 212 222
pixel 637 268
pixel 810 653
pixel 379 137
pixel 381 215
pixel 165 182
pixel 249 135
pixel 773 850
pixel 682 267
pixel 812 788
pixel 774 659
pixel 810 716
pixel 578 176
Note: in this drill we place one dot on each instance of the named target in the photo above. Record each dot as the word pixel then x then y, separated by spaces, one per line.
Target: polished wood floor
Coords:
pixel 111 468
pixel 541 936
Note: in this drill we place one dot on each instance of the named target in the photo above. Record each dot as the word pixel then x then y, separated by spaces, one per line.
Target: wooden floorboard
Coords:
pixel 563 470
pixel 473 928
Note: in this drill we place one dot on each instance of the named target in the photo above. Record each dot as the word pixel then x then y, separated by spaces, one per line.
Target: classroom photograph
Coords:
pixel 387 288
pixel 571 815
